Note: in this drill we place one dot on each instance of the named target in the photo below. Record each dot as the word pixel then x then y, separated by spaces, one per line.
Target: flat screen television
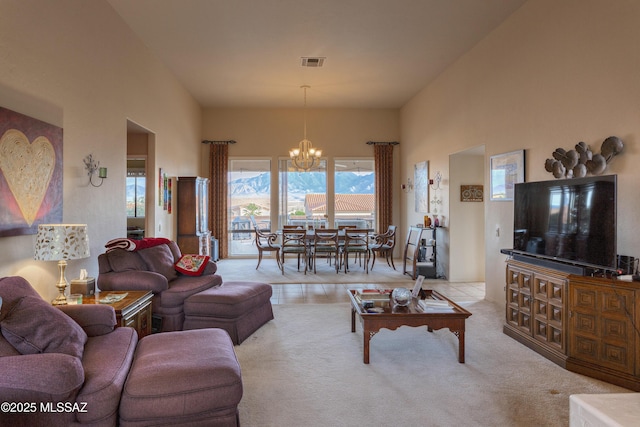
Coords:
pixel 570 220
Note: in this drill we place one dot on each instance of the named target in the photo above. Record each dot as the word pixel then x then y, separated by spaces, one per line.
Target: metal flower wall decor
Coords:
pixel 581 161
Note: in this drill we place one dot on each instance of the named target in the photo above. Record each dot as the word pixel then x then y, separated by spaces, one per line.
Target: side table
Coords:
pixel 134 310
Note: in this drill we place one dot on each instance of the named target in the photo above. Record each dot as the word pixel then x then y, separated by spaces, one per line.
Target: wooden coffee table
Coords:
pixel 391 317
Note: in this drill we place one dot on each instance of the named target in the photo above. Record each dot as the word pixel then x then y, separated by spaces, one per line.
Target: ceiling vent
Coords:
pixel 312 62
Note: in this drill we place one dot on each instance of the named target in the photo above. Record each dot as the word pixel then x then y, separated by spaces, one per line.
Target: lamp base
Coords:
pixel 61 299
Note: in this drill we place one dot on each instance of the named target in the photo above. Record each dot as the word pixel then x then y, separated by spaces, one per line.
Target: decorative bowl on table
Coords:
pixel 401 296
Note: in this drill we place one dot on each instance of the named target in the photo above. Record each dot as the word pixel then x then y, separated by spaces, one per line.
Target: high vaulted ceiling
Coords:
pixel 247 53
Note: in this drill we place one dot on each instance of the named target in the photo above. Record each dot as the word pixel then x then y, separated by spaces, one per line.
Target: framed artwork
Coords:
pixel 421 186
pixel 160 187
pixel 471 193
pixel 30 173
pixel 506 171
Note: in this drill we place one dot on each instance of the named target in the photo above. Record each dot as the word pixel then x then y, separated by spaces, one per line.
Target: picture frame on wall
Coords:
pixel 421 186
pixel 506 171
pixel 31 173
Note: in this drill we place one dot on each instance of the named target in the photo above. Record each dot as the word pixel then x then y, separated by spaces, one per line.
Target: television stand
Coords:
pixel 583 324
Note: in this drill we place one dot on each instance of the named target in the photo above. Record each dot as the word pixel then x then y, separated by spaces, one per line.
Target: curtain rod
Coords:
pixel 383 143
pixel 231 141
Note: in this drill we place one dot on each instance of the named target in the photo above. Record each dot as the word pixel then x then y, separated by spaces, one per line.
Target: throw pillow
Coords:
pixel 160 259
pixel 34 326
pixel 192 265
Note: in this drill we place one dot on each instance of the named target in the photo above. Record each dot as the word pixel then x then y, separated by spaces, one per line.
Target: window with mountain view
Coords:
pixel 249 195
pixel 313 198
pixel 136 184
pixel 299 194
pixel 354 199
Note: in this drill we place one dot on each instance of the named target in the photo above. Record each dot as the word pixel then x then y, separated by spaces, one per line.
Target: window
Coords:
pixel 304 198
pixel 354 203
pixel 136 188
pixel 303 195
pixel 249 194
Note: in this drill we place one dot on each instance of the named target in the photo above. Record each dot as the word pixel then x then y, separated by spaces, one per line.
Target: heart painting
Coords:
pixel 30 173
pixel 28 168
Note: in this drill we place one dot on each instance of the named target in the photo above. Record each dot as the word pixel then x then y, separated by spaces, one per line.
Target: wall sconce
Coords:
pixel 408 187
pixel 92 167
pixel 438 178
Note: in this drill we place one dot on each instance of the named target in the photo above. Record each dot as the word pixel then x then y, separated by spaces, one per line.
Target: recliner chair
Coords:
pixel 153 269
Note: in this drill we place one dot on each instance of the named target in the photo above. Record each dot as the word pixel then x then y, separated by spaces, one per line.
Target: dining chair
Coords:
pixel 326 244
pixel 356 241
pixel 383 244
pixel 266 242
pixel 294 241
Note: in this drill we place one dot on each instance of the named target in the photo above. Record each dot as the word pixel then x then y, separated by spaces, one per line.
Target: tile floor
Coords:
pixel 313 293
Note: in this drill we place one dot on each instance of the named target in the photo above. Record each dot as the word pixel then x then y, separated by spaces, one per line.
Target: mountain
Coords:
pixel 305 182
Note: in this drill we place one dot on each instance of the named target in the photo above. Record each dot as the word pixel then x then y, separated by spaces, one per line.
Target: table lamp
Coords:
pixel 61 242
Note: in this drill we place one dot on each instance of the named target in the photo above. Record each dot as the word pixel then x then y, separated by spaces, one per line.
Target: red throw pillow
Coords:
pixel 192 265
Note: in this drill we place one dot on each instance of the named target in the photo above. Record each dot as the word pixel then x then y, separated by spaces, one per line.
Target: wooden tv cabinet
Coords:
pixel 587 325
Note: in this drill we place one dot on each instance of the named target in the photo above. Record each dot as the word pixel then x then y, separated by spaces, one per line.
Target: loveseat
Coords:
pixel 187 294
pixel 67 365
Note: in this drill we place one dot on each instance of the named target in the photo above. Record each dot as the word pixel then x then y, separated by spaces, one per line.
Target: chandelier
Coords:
pixel 304 157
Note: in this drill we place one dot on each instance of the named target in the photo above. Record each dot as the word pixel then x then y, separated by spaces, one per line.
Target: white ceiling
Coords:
pixel 246 53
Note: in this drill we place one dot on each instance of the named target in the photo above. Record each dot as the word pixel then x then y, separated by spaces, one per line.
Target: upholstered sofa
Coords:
pixel 153 269
pixel 67 365
pixel 186 300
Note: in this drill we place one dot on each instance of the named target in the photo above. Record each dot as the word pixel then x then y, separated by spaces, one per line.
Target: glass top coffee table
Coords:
pixel 377 311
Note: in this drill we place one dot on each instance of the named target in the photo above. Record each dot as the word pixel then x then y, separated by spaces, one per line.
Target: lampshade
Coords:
pixel 56 242
pixel 61 242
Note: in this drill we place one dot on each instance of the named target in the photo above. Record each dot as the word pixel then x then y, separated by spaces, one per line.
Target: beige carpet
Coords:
pixel 305 369
pixel 245 269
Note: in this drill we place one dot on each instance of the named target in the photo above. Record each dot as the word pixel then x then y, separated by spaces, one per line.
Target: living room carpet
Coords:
pixel 304 368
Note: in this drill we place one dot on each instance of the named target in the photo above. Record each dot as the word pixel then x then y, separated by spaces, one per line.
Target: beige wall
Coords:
pixel 466 223
pixel 271 132
pixel 75 64
pixel 555 73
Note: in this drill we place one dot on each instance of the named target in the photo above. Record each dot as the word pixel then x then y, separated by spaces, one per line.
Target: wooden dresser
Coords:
pixel 587 325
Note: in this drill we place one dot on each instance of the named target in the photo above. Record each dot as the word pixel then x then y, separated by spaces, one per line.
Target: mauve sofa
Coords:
pixel 68 366
pixel 185 301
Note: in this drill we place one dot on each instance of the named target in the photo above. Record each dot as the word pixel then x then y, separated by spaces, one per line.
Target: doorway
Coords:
pixel 140 197
pixel 467 228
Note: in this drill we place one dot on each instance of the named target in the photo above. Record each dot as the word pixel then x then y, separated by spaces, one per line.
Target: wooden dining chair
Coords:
pixel 383 244
pixel 294 241
pixel 356 241
pixel 326 244
pixel 266 242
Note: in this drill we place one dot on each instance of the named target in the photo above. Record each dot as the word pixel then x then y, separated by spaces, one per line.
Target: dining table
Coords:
pixel 310 238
